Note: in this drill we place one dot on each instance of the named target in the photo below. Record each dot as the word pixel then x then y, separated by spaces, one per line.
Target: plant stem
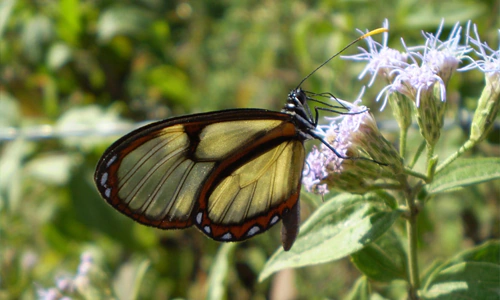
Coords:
pixel 402 142
pixel 411 230
pixel 413 173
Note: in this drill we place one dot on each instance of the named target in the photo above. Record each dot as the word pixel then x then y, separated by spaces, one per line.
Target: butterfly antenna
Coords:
pixel 376 31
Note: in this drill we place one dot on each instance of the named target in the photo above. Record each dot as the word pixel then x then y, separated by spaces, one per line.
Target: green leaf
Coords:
pixel 465 172
pixel 389 199
pixel 219 271
pixel 432 269
pixel 360 290
pixel 384 260
pixel 340 227
pixel 487 252
pixel 127 282
pixel 465 280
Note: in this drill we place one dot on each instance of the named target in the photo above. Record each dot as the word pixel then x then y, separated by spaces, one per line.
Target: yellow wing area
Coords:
pixel 158 180
pixel 220 140
pixel 258 186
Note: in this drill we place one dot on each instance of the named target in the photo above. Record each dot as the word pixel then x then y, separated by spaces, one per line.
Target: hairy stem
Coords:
pixel 411 230
pixel 402 142
pixel 413 173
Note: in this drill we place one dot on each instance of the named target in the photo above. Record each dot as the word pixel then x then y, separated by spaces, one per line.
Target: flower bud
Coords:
pixel 489 102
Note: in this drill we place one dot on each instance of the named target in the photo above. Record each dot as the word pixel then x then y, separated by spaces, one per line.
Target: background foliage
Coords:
pixel 75 75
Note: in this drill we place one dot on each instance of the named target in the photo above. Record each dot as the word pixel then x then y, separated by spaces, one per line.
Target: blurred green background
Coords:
pixel 75 75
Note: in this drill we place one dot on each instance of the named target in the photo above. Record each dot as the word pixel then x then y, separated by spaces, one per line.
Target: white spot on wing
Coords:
pixel 107 192
pixel 274 220
pixel 111 161
pixel 104 178
pixel 253 230
pixel 207 229
pixel 228 236
pixel 199 217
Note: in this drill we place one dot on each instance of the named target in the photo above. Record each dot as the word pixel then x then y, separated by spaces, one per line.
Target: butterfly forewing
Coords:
pixel 233 173
pixel 157 171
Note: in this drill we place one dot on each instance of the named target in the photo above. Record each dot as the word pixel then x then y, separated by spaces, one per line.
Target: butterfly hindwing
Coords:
pixel 232 173
pixel 255 194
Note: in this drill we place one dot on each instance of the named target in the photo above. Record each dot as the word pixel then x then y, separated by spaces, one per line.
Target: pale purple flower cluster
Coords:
pixel 430 64
pixel 321 162
pixel 421 74
pixel 314 171
pixel 413 81
pixel 381 59
pixel 489 62
pixel 443 57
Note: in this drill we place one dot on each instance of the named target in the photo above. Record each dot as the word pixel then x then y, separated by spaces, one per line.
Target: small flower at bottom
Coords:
pixel 90 282
pixel 368 158
pixel 48 294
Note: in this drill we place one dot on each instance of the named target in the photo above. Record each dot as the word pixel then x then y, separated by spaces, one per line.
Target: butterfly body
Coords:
pixel 232 173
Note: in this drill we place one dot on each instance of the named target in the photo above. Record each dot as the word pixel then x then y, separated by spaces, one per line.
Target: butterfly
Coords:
pixel 232 173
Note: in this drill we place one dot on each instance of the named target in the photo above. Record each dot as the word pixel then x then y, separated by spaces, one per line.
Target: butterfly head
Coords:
pixel 296 104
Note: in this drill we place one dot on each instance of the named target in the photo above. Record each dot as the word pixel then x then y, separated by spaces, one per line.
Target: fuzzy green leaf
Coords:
pixel 383 260
pixel 465 280
pixel 487 252
pixel 465 172
pixel 340 227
